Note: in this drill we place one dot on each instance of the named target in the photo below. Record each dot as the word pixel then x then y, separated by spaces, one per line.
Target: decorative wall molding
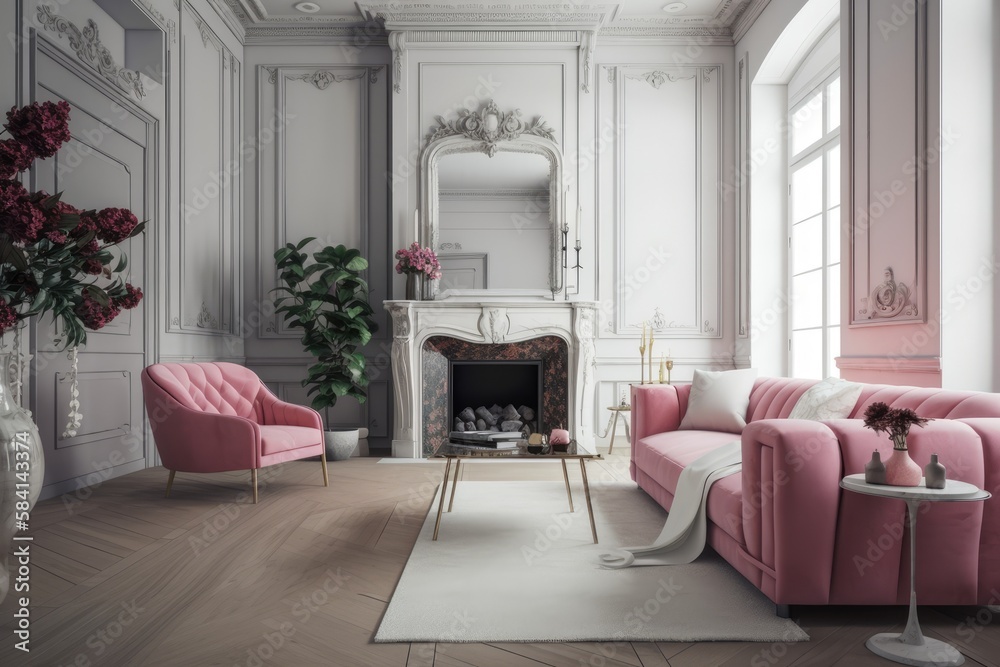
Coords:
pixel 397 43
pixel 323 79
pixel 588 42
pixel 89 49
pixel 481 37
pixel 490 125
pixel 889 299
pixel 169 24
pixel 210 94
pixel 410 16
pixel 741 183
pixel 887 207
pixel 533 194
pixel 207 35
pixel 657 78
pixel 280 172
pixel 634 243
pixel 204 320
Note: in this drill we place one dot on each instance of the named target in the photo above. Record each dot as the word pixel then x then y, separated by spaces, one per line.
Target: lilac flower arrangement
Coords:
pixel 418 260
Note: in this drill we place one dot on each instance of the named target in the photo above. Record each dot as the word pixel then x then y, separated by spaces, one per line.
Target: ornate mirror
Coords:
pixel 492 194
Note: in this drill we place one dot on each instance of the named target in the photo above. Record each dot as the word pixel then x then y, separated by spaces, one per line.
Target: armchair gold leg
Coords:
pixel 326 473
pixel 253 476
pixel 170 482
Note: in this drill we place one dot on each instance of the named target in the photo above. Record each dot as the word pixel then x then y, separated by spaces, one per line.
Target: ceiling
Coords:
pixel 621 17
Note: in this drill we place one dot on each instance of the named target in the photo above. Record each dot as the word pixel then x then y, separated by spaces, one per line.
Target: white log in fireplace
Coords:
pixel 503 325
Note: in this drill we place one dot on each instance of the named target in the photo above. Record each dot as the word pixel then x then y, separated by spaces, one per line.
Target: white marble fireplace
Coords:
pixel 488 322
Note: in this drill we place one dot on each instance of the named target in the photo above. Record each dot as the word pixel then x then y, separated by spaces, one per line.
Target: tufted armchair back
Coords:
pixel 216 387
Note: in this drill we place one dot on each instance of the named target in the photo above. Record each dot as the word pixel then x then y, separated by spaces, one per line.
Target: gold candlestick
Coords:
pixel 670 366
pixel 650 355
pixel 642 357
pixel 663 368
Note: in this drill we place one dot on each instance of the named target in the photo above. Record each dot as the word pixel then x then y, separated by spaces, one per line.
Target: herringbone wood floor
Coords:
pixel 122 576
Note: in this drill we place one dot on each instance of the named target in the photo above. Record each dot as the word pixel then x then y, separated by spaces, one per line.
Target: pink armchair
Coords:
pixel 214 417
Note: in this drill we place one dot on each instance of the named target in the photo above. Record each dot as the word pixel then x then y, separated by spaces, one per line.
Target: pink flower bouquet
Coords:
pixel 418 260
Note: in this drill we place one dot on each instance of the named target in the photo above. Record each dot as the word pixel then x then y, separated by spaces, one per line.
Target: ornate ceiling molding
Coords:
pixel 253 24
pixel 462 16
pixel 89 49
pixel 490 126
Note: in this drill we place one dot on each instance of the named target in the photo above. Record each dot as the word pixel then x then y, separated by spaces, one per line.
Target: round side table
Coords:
pixel 911 647
pixel 616 411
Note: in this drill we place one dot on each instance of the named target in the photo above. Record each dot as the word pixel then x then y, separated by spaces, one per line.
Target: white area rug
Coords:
pixel 511 564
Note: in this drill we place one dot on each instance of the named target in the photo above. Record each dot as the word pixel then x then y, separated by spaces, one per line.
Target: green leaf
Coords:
pixel 13 255
pixel 357 264
pixel 98 295
pixel 138 229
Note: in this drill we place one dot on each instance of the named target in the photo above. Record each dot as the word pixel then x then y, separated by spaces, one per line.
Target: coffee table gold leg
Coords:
pixel 586 492
pixel 614 427
pixel 444 489
pixel 454 483
pixel 569 494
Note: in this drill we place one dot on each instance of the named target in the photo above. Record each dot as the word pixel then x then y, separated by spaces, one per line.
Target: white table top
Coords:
pixel 953 491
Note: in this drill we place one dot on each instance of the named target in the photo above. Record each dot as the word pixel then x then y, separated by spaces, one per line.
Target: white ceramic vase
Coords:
pixel 22 469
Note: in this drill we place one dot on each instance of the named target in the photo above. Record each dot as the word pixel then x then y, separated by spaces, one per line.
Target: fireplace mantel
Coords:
pixel 488 322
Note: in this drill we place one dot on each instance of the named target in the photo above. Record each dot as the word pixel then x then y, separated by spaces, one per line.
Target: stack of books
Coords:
pixel 491 439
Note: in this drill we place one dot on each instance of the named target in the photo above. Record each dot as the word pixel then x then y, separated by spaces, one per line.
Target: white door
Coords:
pixel 108 162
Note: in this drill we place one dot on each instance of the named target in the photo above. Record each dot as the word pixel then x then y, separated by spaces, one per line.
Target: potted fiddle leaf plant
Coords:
pixel 326 297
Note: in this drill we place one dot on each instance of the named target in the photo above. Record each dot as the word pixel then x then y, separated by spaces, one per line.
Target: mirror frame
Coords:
pixel 460 142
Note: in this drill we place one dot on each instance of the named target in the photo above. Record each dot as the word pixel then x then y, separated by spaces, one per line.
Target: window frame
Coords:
pixel 821 148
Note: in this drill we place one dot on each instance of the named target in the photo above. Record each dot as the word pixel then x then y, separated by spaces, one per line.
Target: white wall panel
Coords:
pixel 667 206
pixel 204 240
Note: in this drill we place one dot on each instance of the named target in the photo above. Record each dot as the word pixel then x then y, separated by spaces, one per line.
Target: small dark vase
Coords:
pixel 934 474
pixel 875 470
pixel 414 286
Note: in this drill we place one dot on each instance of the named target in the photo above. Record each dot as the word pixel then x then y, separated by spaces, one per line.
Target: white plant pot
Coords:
pixel 340 443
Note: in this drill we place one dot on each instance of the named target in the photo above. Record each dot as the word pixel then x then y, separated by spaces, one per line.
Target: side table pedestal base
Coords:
pixel 931 654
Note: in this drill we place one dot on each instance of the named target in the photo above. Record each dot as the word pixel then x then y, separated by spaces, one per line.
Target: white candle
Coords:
pixel 416 225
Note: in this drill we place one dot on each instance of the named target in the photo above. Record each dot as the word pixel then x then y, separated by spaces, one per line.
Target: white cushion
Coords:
pixel 719 400
pixel 832 398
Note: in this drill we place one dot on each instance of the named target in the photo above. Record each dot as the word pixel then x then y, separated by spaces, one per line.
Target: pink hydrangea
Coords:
pixel 418 260
pixel 115 224
pixel 92 266
pixel 93 315
pixel 133 295
pixel 15 157
pixel 8 317
pixel 41 127
pixel 20 218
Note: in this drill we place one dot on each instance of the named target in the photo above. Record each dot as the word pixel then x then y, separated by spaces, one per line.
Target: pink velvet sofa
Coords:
pixel 787 526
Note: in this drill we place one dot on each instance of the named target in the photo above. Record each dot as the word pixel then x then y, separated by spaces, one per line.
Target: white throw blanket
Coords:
pixel 683 536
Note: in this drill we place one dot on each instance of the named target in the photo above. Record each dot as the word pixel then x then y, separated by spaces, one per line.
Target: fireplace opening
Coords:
pixel 510 391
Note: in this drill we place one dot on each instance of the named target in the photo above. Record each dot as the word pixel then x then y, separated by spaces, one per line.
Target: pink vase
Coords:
pixel 900 470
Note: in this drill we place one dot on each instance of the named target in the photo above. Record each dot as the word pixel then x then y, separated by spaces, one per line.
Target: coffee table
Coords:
pixel 911 647
pixel 458 453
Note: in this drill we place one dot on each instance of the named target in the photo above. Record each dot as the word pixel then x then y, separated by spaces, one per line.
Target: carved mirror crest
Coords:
pixel 492 182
